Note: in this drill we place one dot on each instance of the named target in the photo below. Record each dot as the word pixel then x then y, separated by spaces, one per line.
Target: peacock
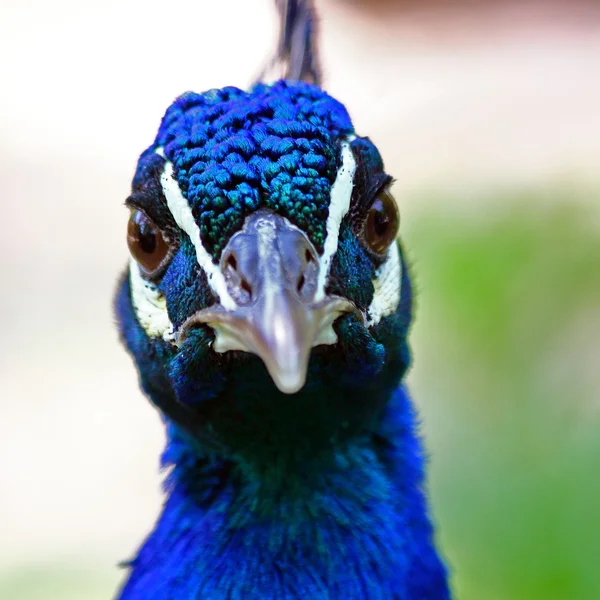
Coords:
pixel 267 305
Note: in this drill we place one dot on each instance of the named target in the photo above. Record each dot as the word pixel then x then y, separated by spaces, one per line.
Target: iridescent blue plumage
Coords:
pixel 318 494
pixel 235 151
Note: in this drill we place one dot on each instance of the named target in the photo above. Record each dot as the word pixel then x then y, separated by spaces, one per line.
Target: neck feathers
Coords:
pixel 349 524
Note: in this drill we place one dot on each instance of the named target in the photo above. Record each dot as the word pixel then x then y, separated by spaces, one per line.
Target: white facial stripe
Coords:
pixel 150 305
pixel 387 284
pixel 182 213
pixel 341 193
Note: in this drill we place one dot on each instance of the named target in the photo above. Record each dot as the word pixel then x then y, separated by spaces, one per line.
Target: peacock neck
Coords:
pixel 333 525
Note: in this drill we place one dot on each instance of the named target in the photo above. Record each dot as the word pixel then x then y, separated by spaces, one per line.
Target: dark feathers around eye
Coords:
pixel 185 284
pixel 352 270
pixel 369 179
pixel 353 267
pixel 147 195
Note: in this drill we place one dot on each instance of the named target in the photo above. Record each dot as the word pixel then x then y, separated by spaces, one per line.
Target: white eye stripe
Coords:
pixel 339 204
pixel 150 305
pixel 182 213
pixel 387 283
pixel 387 288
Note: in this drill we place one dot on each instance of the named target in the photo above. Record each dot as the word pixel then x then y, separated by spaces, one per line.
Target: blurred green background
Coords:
pixel 485 112
pixel 507 357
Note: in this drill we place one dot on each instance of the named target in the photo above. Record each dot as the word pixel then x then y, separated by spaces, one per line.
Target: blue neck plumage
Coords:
pixel 347 520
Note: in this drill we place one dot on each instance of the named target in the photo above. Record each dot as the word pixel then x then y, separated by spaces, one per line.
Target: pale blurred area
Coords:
pixel 463 99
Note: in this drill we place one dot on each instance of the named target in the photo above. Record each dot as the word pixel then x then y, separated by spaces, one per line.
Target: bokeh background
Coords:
pixel 488 115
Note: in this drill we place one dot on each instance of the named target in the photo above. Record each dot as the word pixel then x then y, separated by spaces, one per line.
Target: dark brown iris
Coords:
pixel 381 224
pixel 146 242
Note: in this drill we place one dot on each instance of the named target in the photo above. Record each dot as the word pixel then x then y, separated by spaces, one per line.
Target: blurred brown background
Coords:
pixel 487 113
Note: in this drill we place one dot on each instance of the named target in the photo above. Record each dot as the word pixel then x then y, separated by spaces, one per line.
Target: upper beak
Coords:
pixel 271 270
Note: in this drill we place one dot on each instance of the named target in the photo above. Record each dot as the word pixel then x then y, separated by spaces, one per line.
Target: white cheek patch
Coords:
pixel 150 305
pixel 341 194
pixel 182 213
pixel 387 284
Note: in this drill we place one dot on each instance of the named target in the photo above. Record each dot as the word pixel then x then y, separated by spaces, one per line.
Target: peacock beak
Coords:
pixel 271 270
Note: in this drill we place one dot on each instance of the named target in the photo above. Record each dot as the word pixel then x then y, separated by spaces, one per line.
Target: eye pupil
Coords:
pixel 146 242
pixel 381 224
pixel 147 238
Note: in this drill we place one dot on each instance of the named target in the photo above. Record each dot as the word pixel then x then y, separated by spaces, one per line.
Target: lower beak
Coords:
pixel 271 270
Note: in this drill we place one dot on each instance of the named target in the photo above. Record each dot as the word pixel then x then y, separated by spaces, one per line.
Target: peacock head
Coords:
pixel 265 281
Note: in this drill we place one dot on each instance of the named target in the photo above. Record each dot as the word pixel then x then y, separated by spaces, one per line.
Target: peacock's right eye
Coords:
pixel 381 225
pixel 146 242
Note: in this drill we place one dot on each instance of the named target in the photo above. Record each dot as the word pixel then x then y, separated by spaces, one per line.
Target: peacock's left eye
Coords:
pixel 146 242
pixel 381 224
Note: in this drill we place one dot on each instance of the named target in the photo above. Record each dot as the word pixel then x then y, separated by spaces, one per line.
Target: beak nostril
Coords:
pixel 239 286
pixel 309 257
pixel 301 282
pixel 246 287
pixel 232 262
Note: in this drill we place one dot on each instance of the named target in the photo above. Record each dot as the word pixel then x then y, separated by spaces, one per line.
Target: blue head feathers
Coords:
pixel 273 147
pixel 267 305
